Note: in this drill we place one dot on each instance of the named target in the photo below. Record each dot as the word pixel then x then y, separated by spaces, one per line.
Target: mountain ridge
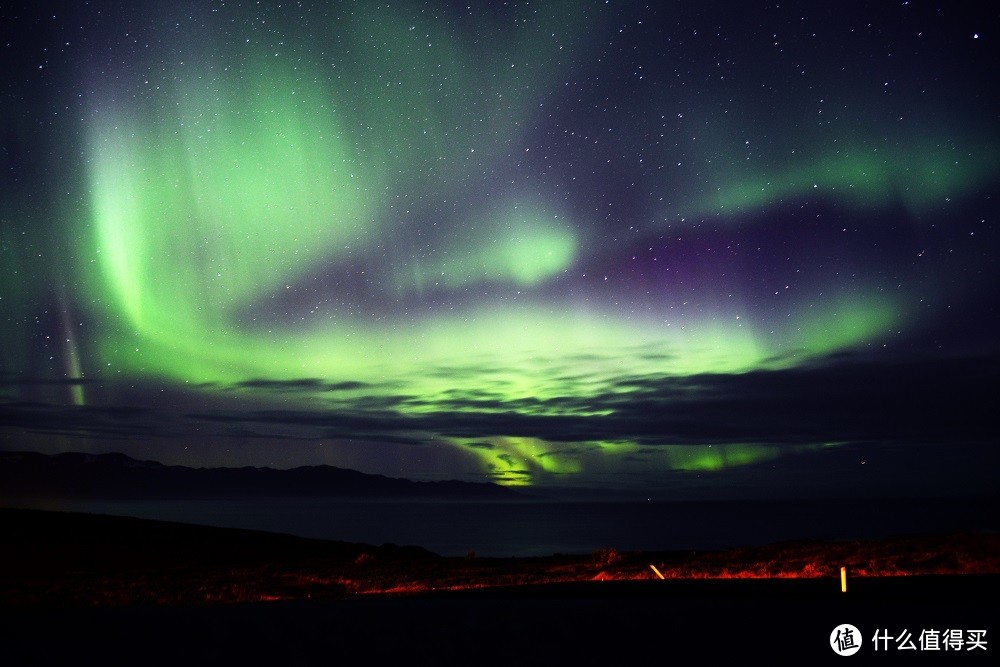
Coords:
pixel 116 475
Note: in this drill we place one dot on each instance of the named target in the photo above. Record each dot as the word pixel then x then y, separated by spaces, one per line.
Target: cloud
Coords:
pixel 481 445
pixel 83 421
pixel 846 399
pixel 310 385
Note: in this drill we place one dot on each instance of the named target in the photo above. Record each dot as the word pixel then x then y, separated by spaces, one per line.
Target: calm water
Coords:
pixel 541 528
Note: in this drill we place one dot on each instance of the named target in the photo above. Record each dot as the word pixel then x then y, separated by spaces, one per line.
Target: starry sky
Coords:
pixel 694 249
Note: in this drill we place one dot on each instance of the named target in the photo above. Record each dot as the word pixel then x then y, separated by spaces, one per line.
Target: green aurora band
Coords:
pixel 916 177
pixel 242 182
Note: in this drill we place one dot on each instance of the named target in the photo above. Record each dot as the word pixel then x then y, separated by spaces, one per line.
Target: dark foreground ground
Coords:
pixel 640 622
pixel 84 589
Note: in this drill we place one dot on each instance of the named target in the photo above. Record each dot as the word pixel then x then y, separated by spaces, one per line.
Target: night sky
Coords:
pixel 693 249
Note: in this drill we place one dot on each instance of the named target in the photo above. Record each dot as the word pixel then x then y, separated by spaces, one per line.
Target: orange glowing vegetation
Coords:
pixel 114 562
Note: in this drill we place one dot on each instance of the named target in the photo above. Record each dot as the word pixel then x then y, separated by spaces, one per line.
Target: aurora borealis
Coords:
pixel 597 244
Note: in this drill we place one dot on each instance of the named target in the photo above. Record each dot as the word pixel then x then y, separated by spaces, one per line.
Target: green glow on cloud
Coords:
pixel 515 461
pixel 719 457
pixel 519 461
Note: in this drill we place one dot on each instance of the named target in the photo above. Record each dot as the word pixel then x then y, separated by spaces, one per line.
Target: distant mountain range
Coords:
pixel 75 475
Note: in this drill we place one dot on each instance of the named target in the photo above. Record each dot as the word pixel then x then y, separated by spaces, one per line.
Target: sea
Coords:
pixel 543 527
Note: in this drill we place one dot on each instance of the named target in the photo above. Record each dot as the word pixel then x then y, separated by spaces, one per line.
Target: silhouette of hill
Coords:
pixel 77 475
